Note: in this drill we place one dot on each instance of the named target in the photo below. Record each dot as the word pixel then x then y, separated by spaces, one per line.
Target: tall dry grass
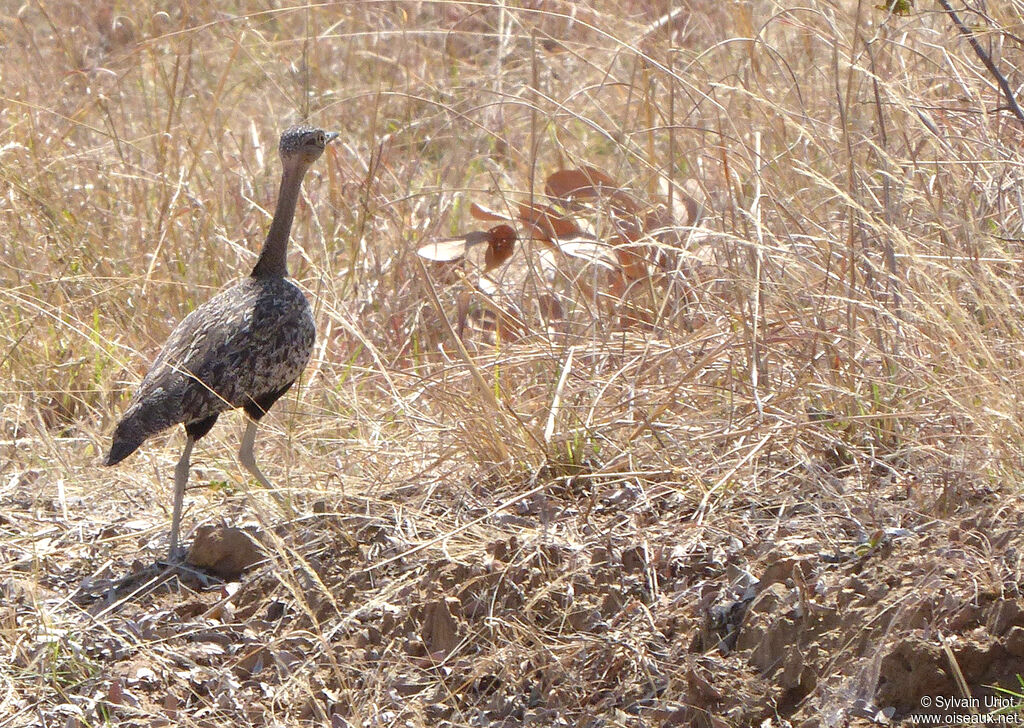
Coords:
pixel 856 300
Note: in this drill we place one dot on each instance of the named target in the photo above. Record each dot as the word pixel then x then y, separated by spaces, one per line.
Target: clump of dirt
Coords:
pixel 224 551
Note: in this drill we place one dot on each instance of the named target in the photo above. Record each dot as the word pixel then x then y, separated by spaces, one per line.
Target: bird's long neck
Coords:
pixel 273 261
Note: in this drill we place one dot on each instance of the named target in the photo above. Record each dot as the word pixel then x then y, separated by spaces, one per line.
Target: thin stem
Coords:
pixel 986 59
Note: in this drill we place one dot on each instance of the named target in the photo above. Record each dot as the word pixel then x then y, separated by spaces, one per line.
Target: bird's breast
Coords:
pixel 280 336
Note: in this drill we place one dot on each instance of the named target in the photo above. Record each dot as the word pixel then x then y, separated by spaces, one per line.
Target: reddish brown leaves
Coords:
pixel 586 216
pixel 590 183
pixel 484 213
pixel 632 226
pixel 547 223
pixel 500 239
pixel 501 243
pixel 566 184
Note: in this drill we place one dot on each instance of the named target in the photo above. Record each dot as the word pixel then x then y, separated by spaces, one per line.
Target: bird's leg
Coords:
pixel 180 479
pixel 249 463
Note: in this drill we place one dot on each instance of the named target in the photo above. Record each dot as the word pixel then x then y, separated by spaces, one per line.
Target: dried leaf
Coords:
pixel 170 705
pixel 115 693
pixel 485 213
pixel 590 183
pixel 687 201
pixel 444 251
pixel 501 244
pixel 632 263
pixel 566 184
pixel 551 223
pixel 590 250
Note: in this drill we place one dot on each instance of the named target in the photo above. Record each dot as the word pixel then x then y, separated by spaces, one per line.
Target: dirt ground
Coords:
pixel 604 601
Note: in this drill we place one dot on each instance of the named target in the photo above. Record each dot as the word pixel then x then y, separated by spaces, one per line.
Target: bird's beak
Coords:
pixel 331 136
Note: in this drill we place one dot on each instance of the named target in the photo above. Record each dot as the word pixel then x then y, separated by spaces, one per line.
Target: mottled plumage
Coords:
pixel 243 348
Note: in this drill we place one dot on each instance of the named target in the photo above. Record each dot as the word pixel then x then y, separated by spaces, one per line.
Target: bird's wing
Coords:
pixel 239 344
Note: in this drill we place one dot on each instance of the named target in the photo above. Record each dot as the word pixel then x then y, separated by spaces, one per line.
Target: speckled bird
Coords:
pixel 243 348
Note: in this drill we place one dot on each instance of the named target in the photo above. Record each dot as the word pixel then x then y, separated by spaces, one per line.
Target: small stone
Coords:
pixel 224 551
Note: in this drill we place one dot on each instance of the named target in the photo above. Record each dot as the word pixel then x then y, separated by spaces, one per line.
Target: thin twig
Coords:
pixel 986 59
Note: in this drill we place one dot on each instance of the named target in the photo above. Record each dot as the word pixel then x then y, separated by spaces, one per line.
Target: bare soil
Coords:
pixel 603 601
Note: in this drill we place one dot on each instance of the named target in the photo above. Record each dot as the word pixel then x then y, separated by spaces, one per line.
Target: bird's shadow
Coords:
pixel 103 596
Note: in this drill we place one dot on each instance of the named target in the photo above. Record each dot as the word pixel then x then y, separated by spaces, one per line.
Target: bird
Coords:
pixel 243 348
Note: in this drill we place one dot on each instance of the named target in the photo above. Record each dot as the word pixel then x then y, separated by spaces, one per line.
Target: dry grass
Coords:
pixel 846 359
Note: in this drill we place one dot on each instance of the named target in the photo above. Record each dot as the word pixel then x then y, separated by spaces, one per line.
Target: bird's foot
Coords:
pixel 175 557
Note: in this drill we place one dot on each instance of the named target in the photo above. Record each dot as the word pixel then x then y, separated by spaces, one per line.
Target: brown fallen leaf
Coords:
pixel 500 239
pixel 170 704
pixel 549 221
pixel 570 185
pixel 480 212
pixel 115 693
pixel 565 184
pixel 451 249
pixel 500 246
pixel 585 247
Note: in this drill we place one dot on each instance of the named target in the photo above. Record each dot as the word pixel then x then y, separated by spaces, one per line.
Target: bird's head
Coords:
pixel 304 144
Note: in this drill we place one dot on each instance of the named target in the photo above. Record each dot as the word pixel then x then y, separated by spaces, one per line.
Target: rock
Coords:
pixel 439 629
pixel 224 551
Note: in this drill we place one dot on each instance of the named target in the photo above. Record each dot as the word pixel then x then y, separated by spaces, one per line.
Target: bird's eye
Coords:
pixel 321 139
